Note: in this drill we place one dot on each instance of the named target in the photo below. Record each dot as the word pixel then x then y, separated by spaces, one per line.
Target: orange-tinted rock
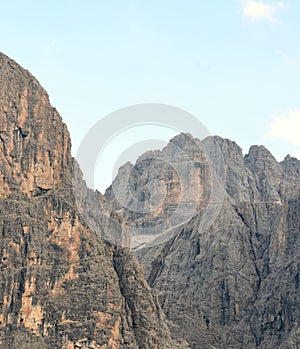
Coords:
pixel 61 284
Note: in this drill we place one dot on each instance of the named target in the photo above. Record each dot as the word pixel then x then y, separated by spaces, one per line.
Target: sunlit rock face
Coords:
pixel 61 284
pixel 35 144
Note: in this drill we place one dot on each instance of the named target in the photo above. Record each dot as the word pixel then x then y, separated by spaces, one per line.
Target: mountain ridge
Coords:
pixel 62 284
pixel 237 280
pixel 216 233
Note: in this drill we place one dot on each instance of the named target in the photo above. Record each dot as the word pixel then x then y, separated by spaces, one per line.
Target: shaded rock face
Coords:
pixel 235 284
pixel 61 284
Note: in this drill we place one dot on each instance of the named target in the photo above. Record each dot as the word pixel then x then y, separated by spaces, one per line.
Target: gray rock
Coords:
pixel 236 283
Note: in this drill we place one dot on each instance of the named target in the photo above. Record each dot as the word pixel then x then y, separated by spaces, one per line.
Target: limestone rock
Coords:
pixel 236 283
pixel 61 284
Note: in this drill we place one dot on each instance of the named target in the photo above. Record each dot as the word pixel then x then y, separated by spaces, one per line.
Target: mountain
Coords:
pixel 216 234
pixel 62 284
pixel 228 272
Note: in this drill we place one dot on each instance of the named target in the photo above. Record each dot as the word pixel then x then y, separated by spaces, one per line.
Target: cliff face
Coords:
pixel 221 253
pixel 236 283
pixel 35 144
pixel 61 284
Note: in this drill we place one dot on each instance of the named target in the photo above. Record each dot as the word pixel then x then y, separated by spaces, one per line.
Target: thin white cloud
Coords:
pixel 287 127
pixel 283 54
pixel 287 58
pixel 262 10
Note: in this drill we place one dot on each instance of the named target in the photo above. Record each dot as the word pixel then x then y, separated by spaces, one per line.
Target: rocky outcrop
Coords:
pixel 61 284
pixel 233 283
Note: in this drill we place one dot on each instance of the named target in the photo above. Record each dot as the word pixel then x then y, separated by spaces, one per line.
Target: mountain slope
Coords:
pixel 61 284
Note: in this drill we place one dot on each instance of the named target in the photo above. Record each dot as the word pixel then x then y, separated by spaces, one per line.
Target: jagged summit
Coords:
pixel 182 138
pixel 237 280
pixel 260 157
pixel 291 165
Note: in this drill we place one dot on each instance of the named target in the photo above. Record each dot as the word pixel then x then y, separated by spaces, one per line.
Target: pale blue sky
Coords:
pixel 234 64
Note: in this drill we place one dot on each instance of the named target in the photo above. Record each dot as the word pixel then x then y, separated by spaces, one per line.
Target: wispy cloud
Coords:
pixel 287 58
pixel 262 10
pixel 286 127
pixel 284 55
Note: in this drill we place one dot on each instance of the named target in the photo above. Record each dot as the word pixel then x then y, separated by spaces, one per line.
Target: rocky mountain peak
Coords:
pixel 291 166
pixel 182 139
pixel 231 152
pixel 34 142
pixel 266 170
pixel 260 160
pixel 238 281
